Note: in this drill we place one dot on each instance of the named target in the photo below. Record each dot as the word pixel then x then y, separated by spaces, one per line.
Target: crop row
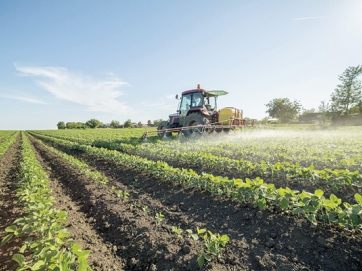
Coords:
pixel 339 177
pixel 7 143
pixel 5 134
pixel 47 245
pixel 336 150
pixel 263 169
pixel 132 136
pixel 313 205
pixel 331 152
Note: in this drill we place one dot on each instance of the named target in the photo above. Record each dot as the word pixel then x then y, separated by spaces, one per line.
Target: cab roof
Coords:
pixel 208 92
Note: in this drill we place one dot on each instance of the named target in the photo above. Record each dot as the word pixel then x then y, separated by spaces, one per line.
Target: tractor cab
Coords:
pixel 199 100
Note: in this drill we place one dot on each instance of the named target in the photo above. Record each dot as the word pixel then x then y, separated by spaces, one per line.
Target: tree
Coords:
pixel 325 109
pixel 76 125
pixel 149 122
pixel 128 124
pixel 348 93
pixel 308 111
pixel 283 109
pixel 157 122
pixel 71 125
pixel 61 125
pixel 93 123
pixel 139 124
pixel 114 124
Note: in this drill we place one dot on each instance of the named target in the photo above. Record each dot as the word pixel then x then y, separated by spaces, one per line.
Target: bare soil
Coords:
pixel 9 207
pixel 122 234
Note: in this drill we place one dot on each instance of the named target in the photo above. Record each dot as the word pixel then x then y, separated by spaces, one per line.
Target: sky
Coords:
pixel 118 60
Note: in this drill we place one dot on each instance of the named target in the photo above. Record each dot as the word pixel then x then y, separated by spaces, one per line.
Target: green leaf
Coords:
pixel 76 248
pixel 358 198
pixel 312 219
pixel 22 249
pixel 261 204
pixel 6 239
pixel 11 228
pixel 224 239
pixel 84 254
pixel 37 265
pixel 284 203
pixel 324 216
pixel 201 261
pixel 207 257
pixel 334 198
pixel 309 209
pixel 18 258
pixel 318 193
pixel 335 189
pixel 297 211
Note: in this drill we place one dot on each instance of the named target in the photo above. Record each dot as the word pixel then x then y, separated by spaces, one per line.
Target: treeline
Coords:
pixel 346 100
pixel 94 123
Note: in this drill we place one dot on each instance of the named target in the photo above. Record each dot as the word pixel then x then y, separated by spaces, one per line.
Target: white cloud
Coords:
pixel 308 18
pixel 96 95
pixel 25 99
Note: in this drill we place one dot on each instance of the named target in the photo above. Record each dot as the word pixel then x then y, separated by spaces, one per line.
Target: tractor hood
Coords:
pixel 217 92
pixel 174 115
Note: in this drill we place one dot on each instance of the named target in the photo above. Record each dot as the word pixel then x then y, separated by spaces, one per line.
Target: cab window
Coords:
pixel 197 99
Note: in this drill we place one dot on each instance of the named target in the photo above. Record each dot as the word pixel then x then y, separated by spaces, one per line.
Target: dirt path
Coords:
pixel 9 208
pixel 260 240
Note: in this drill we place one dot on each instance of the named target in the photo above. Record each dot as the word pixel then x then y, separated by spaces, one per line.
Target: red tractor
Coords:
pixel 197 113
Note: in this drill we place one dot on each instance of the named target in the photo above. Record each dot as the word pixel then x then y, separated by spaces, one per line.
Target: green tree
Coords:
pixel 93 123
pixel 71 125
pixel 139 124
pixel 128 124
pixel 308 111
pixel 61 125
pixel 283 109
pixel 80 125
pixel 149 122
pixel 157 122
pixel 348 93
pixel 114 124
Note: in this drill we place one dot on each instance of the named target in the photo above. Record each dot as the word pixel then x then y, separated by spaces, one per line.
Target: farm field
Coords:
pixel 268 200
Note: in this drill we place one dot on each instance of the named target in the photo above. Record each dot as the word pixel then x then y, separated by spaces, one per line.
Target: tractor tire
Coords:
pixel 194 119
pixel 163 126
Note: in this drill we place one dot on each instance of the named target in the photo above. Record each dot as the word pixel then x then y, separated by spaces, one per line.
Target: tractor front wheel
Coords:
pixel 194 119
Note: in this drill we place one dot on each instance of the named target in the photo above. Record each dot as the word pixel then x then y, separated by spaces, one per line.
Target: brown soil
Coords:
pixel 9 208
pixel 260 240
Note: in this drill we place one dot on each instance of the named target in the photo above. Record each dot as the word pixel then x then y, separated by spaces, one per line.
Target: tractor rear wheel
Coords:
pixel 195 119
pixel 163 126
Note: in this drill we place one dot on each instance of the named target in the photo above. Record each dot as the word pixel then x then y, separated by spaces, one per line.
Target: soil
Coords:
pixel 9 207
pixel 259 240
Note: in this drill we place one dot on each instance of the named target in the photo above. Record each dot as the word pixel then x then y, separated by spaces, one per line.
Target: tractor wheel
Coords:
pixel 195 119
pixel 163 126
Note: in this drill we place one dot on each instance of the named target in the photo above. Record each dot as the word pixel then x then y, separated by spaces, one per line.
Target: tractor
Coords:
pixel 197 113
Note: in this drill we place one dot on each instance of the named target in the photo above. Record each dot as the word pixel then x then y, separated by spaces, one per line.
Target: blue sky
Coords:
pixel 118 60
